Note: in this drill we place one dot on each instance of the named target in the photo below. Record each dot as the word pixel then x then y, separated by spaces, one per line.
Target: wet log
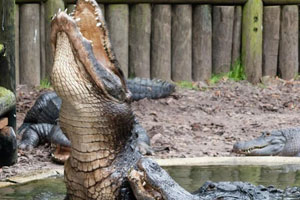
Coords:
pixel 51 7
pixel 288 44
pixel 222 2
pixel 237 36
pixel 7 100
pixel 8 143
pixel 117 18
pixel 139 40
pixel 182 43
pixel 202 43
pixel 17 45
pixel 222 38
pixel 271 40
pixel 161 42
pixel 252 40
pixel 30 44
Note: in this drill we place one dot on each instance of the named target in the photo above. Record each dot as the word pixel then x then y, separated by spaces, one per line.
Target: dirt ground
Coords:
pixel 193 123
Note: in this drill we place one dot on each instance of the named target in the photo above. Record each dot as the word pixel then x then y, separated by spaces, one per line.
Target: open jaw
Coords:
pixel 88 37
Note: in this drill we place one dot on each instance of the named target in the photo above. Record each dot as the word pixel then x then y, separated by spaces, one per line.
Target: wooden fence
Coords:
pixel 174 39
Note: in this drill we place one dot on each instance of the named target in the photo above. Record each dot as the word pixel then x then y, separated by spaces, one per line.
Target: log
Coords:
pixel 202 43
pixel 182 43
pixel 17 46
pixel 43 41
pixel 288 44
pixel 7 100
pixel 7 59
pixel 221 2
pixel 222 38
pixel 9 149
pixel 237 36
pixel 252 40
pixel 51 7
pixel 117 18
pixel 139 40
pixel 30 44
pixel 281 2
pixel 161 42
pixel 271 40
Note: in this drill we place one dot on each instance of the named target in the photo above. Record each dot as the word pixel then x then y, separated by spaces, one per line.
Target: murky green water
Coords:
pixel 191 178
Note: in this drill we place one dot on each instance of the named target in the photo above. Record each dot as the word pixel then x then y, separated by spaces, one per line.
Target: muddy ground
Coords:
pixel 192 123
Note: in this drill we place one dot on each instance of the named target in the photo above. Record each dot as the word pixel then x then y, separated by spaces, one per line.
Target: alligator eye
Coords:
pixel 268 133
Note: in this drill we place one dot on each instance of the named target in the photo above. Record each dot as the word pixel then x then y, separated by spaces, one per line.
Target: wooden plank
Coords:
pixel 220 2
pixel 51 7
pixel 117 18
pixel 30 44
pixel 281 2
pixel 202 43
pixel 252 40
pixel 271 40
pixel 139 40
pixel 7 60
pixel 42 41
pixel 17 45
pixel 222 38
pixel 237 36
pixel 3 122
pixel 182 43
pixel 161 42
pixel 288 44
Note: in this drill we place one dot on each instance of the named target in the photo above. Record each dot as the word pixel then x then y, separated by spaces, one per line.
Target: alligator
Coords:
pixel 284 142
pixel 96 116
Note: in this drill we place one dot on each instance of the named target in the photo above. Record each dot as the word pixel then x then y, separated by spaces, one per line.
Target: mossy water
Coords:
pixel 191 178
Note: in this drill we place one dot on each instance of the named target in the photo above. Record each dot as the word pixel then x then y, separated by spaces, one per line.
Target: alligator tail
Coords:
pixel 152 89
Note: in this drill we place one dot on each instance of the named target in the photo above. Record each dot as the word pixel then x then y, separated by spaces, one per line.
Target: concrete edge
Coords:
pixel 199 161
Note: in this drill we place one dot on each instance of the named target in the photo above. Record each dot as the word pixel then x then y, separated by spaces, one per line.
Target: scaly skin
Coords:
pixel 283 142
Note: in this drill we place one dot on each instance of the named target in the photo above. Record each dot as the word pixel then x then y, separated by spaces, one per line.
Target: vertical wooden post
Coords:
pixel 17 45
pixel 289 39
pixel 202 43
pixel 7 47
pixel 252 39
pixel 161 42
pixel 117 18
pixel 43 40
pixel 182 43
pixel 139 40
pixel 30 44
pixel 237 35
pixel 271 40
pixel 51 7
pixel 222 38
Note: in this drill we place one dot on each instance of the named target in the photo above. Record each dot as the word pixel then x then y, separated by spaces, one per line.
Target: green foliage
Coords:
pixel 237 73
pixel 45 84
pixel 187 85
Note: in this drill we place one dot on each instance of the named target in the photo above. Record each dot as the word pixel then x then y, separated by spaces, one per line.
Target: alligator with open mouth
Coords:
pixel 283 142
pixel 96 116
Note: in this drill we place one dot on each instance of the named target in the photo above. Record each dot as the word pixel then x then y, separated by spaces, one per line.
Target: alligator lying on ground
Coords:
pixel 284 142
pixel 40 123
pixel 97 118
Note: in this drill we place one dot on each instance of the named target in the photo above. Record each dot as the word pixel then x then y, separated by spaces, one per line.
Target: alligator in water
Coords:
pixel 284 142
pixel 97 118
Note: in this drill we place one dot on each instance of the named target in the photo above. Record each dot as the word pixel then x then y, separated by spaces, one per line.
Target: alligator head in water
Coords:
pixel 283 142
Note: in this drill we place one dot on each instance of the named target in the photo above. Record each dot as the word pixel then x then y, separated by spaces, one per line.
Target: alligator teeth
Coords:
pixel 77 19
pixel 98 24
pixel 66 10
pixel 59 10
pixel 53 17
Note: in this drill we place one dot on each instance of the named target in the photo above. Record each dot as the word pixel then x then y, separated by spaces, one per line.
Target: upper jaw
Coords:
pixel 89 39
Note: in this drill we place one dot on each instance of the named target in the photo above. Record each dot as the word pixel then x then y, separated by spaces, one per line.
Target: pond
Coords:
pixel 191 178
